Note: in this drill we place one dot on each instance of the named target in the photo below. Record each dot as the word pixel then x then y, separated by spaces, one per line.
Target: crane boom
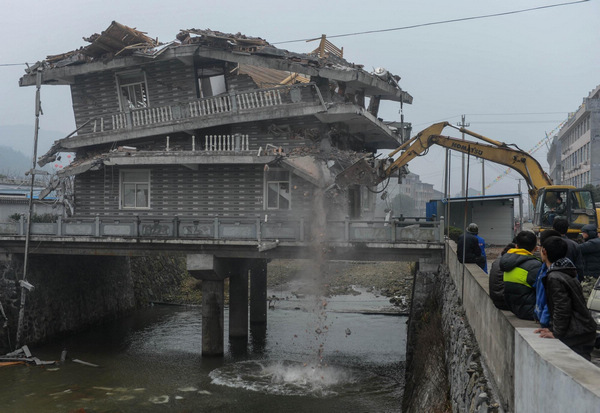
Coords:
pixel 365 173
pixel 545 196
pixel 494 151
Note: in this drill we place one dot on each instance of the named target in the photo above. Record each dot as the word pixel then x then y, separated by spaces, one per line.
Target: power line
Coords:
pixel 414 26
pixel 13 64
pixel 515 114
pixel 508 122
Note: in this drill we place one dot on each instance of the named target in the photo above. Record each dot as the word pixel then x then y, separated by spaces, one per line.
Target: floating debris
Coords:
pixel 85 363
pixel 125 398
pixel 22 355
pixel 348 332
pixel 186 389
pixel 61 393
pixel 159 399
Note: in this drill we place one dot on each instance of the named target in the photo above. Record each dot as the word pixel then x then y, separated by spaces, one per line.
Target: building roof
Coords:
pixel 119 47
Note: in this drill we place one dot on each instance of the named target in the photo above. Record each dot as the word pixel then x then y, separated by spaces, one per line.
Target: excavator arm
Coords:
pixel 491 150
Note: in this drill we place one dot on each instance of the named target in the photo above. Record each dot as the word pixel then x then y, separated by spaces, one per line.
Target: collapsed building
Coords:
pixel 213 125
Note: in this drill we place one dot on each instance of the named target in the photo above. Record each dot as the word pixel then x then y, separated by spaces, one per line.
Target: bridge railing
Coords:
pixel 231 229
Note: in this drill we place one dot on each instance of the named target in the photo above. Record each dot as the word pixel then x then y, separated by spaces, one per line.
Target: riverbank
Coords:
pixel 388 279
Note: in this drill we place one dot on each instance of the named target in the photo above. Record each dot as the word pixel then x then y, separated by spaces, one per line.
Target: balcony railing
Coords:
pixel 231 229
pixel 233 102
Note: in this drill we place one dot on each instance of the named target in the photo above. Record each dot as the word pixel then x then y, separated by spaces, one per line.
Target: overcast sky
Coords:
pixel 515 77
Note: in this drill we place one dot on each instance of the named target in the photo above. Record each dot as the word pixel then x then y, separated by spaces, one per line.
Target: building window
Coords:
pixel 277 189
pixel 133 91
pixel 135 189
pixel 211 82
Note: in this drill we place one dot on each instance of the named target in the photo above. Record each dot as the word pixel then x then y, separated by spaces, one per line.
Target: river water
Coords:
pixel 339 354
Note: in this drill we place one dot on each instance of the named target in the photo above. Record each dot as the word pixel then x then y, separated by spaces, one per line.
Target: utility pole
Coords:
pixel 482 177
pixel 520 207
pixel 462 124
pixel 25 286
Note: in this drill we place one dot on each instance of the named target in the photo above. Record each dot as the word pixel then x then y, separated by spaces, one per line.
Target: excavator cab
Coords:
pixel 575 205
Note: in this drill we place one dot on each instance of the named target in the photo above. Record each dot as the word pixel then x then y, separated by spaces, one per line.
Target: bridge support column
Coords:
pixel 212 317
pixel 212 271
pixel 258 292
pixel 238 302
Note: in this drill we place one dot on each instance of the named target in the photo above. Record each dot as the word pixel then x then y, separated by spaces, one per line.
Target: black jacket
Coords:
pixel 590 250
pixel 472 250
pixel 520 272
pixel 574 254
pixel 497 285
pixel 570 318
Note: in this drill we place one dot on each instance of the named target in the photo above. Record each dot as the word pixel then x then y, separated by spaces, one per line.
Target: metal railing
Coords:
pixel 231 229
pixel 232 102
pixel 236 142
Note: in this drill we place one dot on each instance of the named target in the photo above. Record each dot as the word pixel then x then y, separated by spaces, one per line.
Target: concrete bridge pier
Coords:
pixel 238 302
pixel 258 292
pixel 213 271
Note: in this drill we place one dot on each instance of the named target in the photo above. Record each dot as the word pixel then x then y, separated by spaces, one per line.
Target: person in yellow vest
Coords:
pixel 520 269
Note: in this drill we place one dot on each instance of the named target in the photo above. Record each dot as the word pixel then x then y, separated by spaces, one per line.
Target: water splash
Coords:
pixel 287 378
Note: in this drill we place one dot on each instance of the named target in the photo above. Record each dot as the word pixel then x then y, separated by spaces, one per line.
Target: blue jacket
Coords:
pixel 482 248
pixel 541 305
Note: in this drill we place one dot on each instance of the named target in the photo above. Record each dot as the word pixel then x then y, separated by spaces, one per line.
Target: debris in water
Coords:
pixel 318 331
pixel 85 363
pixel 159 399
pixel 125 398
pixel 23 355
pixel 178 398
pixel 204 392
pixel 10 363
pixel 348 332
pixel 186 389
pixel 60 393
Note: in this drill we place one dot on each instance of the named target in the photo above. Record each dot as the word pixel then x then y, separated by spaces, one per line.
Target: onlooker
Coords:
pixel 571 321
pixel 481 241
pixel 468 245
pixel 496 286
pixel 542 314
pixel 520 268
pixel 590 251
pixel 574 254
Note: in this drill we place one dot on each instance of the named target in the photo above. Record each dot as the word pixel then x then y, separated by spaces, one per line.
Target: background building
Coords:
pixel 575 150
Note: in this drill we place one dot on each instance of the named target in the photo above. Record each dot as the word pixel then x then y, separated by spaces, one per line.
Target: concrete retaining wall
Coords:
pixel 74 292
pixel 531 373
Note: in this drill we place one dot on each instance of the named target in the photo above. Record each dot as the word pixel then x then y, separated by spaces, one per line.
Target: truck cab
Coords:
pixel 575 205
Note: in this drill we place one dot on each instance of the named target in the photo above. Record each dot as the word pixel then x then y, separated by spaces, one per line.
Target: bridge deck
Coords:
pixel 234 238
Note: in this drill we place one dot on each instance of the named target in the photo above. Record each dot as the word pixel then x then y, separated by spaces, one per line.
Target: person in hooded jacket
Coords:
pixel 574 254
pixel 590 251
pixel 570 319
pixel 520 269
pixel 542 313
pixel 468 244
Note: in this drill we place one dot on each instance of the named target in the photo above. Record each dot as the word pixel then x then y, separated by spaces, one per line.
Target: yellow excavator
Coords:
pixel 550 201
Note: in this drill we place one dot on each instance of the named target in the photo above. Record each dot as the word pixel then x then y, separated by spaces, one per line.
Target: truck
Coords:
pixel 550 201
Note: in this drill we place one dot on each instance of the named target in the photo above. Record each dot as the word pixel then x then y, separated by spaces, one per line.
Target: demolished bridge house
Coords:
pixel 214 125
